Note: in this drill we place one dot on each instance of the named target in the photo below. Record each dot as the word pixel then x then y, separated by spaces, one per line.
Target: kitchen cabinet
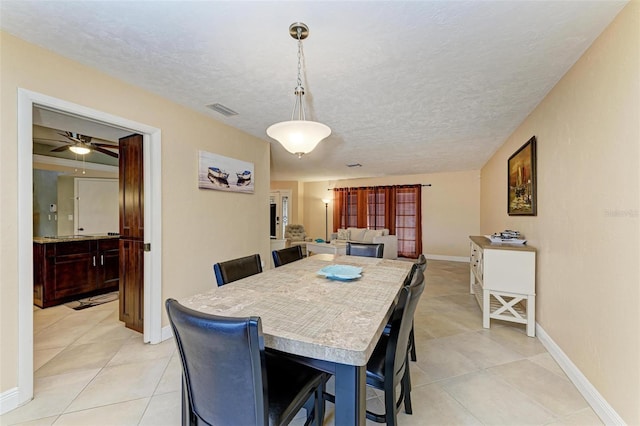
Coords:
pixel 69 269
pixel 503 279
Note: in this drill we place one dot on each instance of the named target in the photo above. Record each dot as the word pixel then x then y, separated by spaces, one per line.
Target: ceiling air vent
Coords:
pixel 354 165
pixel 227 112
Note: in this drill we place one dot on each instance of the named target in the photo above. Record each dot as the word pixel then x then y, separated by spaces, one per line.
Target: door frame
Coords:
pixel 278 194
pixel 152 223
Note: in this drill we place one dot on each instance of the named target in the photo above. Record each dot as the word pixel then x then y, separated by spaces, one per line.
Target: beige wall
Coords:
pixel 450 208
pixel 199 227
pixel 586 230
pixel 315 213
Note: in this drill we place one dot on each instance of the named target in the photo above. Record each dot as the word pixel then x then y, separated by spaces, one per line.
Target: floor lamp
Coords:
pixel 326 219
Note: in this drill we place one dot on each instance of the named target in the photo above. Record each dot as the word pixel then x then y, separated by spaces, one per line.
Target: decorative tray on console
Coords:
pixel 341 272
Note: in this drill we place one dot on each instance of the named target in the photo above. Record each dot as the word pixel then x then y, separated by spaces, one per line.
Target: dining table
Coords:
pixel 329 322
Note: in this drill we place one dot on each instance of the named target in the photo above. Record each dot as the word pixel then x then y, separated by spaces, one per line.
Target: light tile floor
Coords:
pixel 91 370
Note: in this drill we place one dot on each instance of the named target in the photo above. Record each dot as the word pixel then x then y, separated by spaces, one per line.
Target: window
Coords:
pixel 397 208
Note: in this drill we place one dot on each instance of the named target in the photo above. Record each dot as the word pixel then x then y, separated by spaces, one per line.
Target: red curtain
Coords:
pixel 397 208
pixel 340 209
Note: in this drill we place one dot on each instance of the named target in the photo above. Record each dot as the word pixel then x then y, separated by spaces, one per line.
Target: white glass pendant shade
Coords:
pixel 299 136
pixel 79 149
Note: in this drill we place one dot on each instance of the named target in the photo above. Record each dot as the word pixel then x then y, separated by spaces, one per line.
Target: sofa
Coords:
pixel 363 235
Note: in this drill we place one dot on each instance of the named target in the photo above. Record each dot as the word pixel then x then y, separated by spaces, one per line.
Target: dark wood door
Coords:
pixel 131 248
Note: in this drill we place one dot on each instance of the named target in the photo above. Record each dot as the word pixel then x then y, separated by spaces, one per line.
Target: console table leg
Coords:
pixel 486 308
pixel 531 315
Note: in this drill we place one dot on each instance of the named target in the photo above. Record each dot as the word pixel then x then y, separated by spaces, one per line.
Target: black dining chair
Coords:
pixel 286 255
pixel 229 378
pixel 422 264
pixel 365 249
pixel 233 270
pixel 388 366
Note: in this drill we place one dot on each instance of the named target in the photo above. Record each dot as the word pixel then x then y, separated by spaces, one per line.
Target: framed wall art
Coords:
pixel 224 173
pixel 521 180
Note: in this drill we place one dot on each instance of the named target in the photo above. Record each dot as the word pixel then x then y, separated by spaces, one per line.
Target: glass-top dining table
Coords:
pixel 330 324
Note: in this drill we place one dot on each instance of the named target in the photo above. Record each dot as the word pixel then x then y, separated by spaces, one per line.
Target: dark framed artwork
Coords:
pixel 521 180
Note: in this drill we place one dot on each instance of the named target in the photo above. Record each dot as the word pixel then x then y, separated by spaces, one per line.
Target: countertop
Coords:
pixel 67 238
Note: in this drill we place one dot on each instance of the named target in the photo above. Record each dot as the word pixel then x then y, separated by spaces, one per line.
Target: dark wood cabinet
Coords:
pixel 109 271
pixel 68 270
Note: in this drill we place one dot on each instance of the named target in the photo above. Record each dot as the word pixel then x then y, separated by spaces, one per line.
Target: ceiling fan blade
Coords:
pixel 105 145
pixel 50 140
pixel 104 151
pixel 61 148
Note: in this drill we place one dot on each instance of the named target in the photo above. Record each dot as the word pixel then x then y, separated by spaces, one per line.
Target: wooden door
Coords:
pixel 131 232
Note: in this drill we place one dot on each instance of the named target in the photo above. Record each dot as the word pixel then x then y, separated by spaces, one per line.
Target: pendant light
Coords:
pixel 299 136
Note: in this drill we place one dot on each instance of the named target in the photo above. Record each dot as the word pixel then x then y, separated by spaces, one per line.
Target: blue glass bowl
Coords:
pixel 341 272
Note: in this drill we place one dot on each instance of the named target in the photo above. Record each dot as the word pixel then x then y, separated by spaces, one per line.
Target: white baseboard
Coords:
pixel 9 400
pixel 601 407
pixel 167 333
pixel 450 258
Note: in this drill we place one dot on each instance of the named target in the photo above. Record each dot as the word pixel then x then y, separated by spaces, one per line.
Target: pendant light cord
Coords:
pixel 299 91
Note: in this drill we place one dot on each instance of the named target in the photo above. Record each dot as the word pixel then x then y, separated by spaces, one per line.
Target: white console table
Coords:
pixel 503 279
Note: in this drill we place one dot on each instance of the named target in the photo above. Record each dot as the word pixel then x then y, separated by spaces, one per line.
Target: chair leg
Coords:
pixel 310 408
pixel 412 345
pixel 390 407
pixel 187 416
pixel 406 386
pixel 315 407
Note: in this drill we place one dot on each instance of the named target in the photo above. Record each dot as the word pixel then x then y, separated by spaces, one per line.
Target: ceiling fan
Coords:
pixel 82 144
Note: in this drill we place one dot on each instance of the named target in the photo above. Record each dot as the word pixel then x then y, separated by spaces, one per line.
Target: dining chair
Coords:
pixel 286 255
pixel 233 270
pixel 422 264
pixel 391 355
pixel 229 378
pixel 365 249
pixel 388 366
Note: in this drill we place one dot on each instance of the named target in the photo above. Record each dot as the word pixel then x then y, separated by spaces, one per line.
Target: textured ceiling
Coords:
pixel 406 87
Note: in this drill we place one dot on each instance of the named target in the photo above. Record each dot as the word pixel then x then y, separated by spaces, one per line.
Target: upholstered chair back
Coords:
pixel 295 232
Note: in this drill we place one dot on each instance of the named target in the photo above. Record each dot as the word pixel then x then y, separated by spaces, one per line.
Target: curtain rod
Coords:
pixel 424 184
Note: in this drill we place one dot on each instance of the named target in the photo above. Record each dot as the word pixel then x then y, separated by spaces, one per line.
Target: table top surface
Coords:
pixel 306 314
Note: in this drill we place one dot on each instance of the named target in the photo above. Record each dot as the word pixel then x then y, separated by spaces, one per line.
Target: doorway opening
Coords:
pixel 27 101
pixel 280 211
